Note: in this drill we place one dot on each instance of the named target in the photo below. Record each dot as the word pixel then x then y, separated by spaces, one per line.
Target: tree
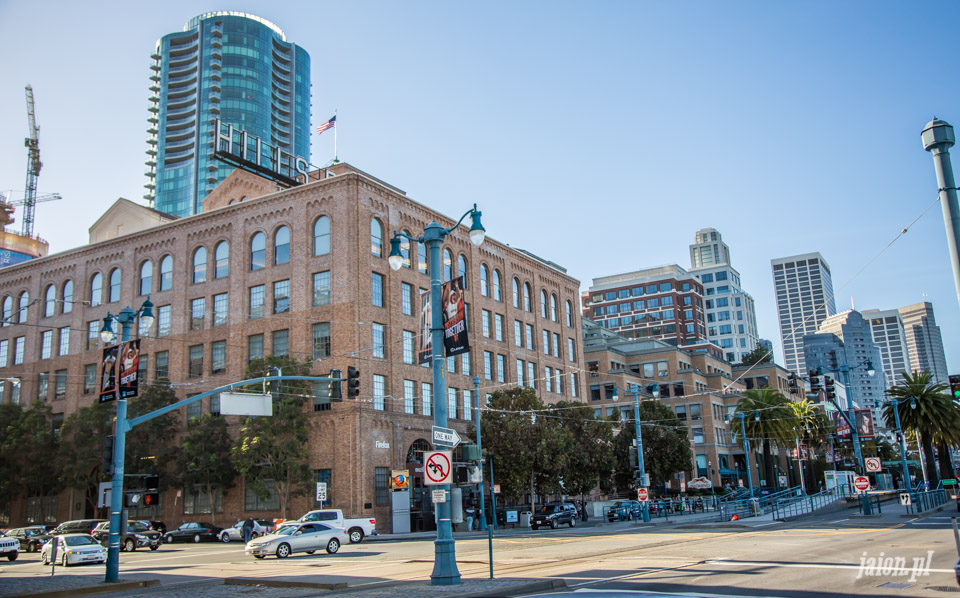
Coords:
pixel 666 446
pixel 150 447
pixel 32 440
pixel 766 416
pixel 9 458
pixel 204 460
pixel 935 417
pixel 271 452
pixel 759 355
pixel 590 458
pixel 81 447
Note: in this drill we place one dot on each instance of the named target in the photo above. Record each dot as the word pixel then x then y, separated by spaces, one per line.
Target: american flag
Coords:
pixel 327 125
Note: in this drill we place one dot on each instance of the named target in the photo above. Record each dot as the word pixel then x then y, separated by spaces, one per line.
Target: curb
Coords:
pixel 527 588
pixel 86 591
pixel 281 583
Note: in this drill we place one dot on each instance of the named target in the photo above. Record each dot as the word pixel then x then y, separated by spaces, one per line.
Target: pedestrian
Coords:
pixel 470 514
pixel 247 529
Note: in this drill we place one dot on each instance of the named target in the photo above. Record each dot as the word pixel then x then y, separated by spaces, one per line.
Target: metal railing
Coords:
pixel 873 499
pixel 923 501
pixel 792 507
pixel 749 507
pixel 789 493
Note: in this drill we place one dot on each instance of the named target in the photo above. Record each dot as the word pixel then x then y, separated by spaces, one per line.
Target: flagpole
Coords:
pixel 334 136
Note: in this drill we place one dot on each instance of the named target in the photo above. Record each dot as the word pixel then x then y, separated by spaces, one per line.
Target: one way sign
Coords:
pixel 447 437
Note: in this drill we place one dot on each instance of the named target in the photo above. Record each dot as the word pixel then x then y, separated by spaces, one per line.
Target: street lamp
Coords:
pixel 746 444
pixel 654 391
pixel 903 444
pixel 445 570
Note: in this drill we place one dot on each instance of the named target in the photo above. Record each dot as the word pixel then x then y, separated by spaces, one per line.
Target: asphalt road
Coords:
pixel 823 556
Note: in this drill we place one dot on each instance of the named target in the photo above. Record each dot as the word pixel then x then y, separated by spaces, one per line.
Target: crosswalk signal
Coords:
pixel 132 499
pixel 353 382
pixel 830 388
pixel 955 387
pixel 336 392
pixel 151 499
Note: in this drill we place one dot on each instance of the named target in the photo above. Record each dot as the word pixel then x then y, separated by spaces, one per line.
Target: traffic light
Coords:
pixel 792 383
pixel 814 381
pixel 830 388
pixel 632 456
pixel 151 482
pixel 955 387
pixel 336 392
pixel 151 499
pixel 107 465
pixel 353 382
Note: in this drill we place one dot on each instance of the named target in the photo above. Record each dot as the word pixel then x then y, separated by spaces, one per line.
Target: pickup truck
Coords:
pixel 357 528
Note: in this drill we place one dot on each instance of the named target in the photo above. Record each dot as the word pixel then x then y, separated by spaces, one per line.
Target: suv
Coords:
pixel 139 535
pixel 623 510
pixel 553 514
pixel 29 537
pixel 9 547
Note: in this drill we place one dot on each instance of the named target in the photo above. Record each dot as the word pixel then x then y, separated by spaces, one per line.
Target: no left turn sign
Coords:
pixel 437 466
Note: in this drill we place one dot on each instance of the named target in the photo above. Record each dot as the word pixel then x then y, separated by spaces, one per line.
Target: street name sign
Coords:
pixel 246 403
pixel 861 483
pixel 437 467
pixel 446 437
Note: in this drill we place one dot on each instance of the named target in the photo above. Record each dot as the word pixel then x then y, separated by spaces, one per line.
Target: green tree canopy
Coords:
pixel 767 417
pixel 590 458
pixel 10 462
pixel 31 439
pixel 759 355
pixel 151 447
pixel 666 446
pixel 81 447
pixel 204 462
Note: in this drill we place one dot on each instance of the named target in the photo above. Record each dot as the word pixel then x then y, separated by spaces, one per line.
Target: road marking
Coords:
pixel 800 565
pixel 840 520
pixel 763 524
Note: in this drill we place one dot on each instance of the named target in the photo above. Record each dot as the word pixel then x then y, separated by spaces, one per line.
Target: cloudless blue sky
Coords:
pixel 600 135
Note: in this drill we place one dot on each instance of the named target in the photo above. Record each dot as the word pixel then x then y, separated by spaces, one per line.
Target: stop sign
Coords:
pixel 861 483
pixel 642 494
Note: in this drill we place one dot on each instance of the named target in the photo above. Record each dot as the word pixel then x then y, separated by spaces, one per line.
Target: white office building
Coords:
pixel 804 289
pixel 924 344
pixel 890 338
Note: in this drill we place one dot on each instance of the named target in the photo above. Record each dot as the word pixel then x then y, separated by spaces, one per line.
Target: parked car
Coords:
pixel 623 510
pixel 261 527
pixel 75 526
pixel 74 549
pixel 138 535
pixel 158 526
pixel 298 537
pixel 193 532
pixel 9 547
pixel 30 537
pixel 358 528
pixel 555 514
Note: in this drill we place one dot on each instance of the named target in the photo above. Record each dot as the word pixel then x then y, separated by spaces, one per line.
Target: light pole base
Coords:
pixel 445 572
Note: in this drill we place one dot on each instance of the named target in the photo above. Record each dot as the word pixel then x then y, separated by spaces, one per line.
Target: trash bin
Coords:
pixel 755 507
pixel 525 517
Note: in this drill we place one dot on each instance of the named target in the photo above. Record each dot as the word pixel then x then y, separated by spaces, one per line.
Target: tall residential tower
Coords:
pixel 924 344
pixel 234 66
pixel 804 291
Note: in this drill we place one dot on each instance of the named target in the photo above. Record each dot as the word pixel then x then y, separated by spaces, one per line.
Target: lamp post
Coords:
pixel 445 570
pixel 126 318
pixel 746 448
pixel 851 418
pixel 713 494
pixel 903 444
pixel 654 390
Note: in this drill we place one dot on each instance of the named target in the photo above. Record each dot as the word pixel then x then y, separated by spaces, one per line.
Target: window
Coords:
pixel 258 251
pixel 281 246
pixel 89 378
pixel 484 280
pixel 43 385
pixel 526 297
pixel 218 355
pixel 93 334
pixel 4 353
pixel 698 435
pixel 50 301
pixel 462 269
pixel 405 251
pixel 426 390
pixel 196 361
pixel 163 320
pixel 516 293
pixel 546 342
pixel 214 404
pixel 161 370
pixel 257 294
pixel 553 309
pixel 498 327
pixel 379 390
pixel 517 333
pixel 255 346
pixel 529 338
pixel 15 394
pixel 447 265
pixel 221 256
pixel 220 305
pixel 64 341
pixel 408 346
pixel 200 265
pixel 166 273
pixel 197 307
pixel 569 314
pixel 281 343
pixel 467 405
pixel 7 310
pixel 421 258
pixel 46 344
pixel 497 292
pixel 381 475
pixel 24 305
pixel 321 340
pixel 556 345
pixel 379 341
pixel 96 289
pixel 501 368
pixel 67 306
pixel 531 374
pixel 253 501
pixel 281 296
pixel 452 403
pixel 520 367
pixel 485 323
pixel 571 354
pixel 409 393
pixel 146 277
pixel 321 288
pixel 406 298
pixel 548 379
pixel 574 385
pixel 321 236
pixel 694 409
pixel 465 363
pixel 376 238
pixel 376 289
pixel 543 303
pixel 488 365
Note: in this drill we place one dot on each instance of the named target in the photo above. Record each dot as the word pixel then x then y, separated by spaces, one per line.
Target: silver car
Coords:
pixel 74 549
pixel 306 537
pixel 230 534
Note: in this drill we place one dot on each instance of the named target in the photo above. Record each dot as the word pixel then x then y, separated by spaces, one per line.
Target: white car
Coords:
pixel 230 534
pixel 298 537
pixel 74 549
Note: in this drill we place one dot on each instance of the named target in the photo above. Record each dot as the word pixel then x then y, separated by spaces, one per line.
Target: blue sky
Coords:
pixel 601 136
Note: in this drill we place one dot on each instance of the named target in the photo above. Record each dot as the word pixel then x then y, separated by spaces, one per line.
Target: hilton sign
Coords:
pixel 237 148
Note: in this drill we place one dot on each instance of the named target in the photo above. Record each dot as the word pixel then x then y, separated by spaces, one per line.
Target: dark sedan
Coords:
pixel 30 537
pixel 193 532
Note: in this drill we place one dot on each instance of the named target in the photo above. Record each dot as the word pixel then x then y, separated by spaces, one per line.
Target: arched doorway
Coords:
pixel 421 508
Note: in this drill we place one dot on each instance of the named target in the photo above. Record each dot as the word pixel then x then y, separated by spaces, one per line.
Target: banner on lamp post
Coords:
pixel 455 339
pixel 128 366
pixel 108 374
pixel 425 350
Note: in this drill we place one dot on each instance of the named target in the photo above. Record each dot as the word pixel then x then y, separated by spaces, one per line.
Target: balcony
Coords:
pixel 152 130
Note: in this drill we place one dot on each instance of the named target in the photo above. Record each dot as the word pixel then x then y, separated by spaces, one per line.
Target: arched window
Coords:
pixel 7 309
pixel 166 273
pixel 50 301
pixel 405 250
pixel 516 293
pixel 421 258
pixel 569 314
pixel 67 297
pixel 543 303
pixel 376 237
pixel 200 265
pixel 114 285
pixel 146 277
pixel 526 297
pixel 497 293
pixel 462 269
pixel 24 303
pixel 258 251
pixel 447 265
pixel 281 246
pixel 484 282
pixel 553 308
pixel 96 289
pixel 221 257
pixel 321 236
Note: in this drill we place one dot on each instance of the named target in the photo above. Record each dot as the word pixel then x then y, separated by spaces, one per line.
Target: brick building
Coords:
pixel 301 272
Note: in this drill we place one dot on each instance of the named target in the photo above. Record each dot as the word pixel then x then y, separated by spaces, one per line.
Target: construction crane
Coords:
pixel 33 167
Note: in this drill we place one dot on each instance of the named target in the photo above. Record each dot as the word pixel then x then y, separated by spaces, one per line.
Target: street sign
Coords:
pixel 438 495
pixel 948 481
pixel 246 403
pixel 642 494
pixel 496 488
pixel 446 437
pixel 861 483
pixel 437 467
pixel 905 499
pixel 321 491
pixel 872 464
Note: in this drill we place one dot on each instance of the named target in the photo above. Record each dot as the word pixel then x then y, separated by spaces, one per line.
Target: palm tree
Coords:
pixel 931 413
pixel 808 421
pixel 766 416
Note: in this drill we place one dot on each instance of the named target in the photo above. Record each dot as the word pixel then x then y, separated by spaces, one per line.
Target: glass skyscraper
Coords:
pixel 804 289
pixel 234 66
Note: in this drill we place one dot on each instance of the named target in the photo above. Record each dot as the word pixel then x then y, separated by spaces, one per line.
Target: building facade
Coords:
pixel 804 290
pixel 303 273
pixel 664 303
pixel 225 65
pixel 889 336
pixel 924 343
pixel 731 317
